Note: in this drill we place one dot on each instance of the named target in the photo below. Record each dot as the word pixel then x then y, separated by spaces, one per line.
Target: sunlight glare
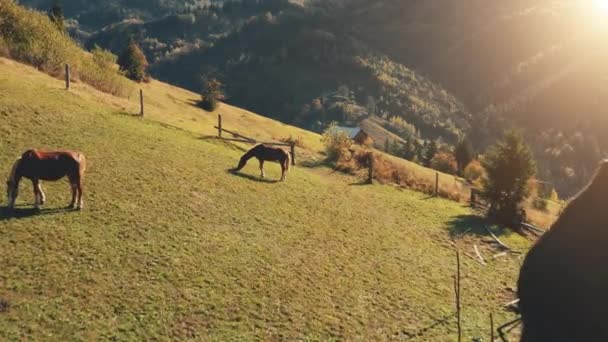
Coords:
pixel 602 5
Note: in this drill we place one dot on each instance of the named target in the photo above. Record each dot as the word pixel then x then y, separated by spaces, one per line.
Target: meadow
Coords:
pixel 171 245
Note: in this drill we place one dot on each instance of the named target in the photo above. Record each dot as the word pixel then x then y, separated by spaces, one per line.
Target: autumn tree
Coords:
pixel 133 62
pixel 211 93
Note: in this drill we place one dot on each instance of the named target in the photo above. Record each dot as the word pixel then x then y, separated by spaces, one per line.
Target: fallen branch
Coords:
pixel 533 229
pixel 499 255
pixel 483 262
pixel 503 245
pixel 474 258
pixel 512 304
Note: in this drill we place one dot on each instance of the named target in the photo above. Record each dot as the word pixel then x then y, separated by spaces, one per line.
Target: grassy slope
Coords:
pixel 170 245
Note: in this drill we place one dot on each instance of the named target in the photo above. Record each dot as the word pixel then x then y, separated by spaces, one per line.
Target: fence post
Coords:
pixel 457 291
pixel 370 171
pixel 436 184
pixel 67 77
pixel 472 200
pixel 219 125
pixel 491 327
pixel 293 154
pixel 141 102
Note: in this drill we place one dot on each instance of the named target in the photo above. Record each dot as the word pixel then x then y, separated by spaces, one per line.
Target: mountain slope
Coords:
pixel 172 246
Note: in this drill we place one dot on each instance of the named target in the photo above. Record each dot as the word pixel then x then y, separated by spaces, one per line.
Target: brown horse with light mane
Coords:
pixel 48 166
pixel 265 153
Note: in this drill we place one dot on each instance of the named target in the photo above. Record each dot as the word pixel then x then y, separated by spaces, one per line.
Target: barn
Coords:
pixel 358 135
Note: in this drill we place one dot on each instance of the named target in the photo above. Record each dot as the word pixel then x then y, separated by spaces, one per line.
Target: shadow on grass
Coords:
pixel 311 164
pixel 436 322
pixel 473 225
pixel 363 182
pixel 21 212
pixel 250 177
pixel 135 115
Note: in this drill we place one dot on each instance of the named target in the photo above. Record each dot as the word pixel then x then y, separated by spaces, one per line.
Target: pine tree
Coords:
pixel 133 62
pixel 56 16
pixel 430 152
pixel 464 154
pixel 509 165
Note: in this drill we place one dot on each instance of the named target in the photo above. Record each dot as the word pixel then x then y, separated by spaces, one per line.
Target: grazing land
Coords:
pixel 171 245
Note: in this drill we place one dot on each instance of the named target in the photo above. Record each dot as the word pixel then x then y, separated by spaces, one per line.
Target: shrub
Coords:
pixel 473 172
pixel 509 166
pixel 444 162
pixel 540 203
pixel 30 37
pixel 337 143
pixel 133 62
pixel 211 94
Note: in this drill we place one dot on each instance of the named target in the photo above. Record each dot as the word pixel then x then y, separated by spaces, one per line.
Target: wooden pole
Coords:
pixel 491 327
pixel 293 154
pixel 370 171
pixel 436 184
pixel 457 291
pixel 472 200
pixel 141 102
pixel 67 77
pixel 219 125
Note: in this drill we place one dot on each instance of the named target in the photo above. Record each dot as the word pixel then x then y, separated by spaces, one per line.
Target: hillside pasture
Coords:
pixel 173 246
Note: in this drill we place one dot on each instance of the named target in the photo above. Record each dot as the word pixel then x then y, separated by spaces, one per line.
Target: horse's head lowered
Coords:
pixel 12 187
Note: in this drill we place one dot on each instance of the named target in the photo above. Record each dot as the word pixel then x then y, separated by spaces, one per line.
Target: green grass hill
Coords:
pixel 172 246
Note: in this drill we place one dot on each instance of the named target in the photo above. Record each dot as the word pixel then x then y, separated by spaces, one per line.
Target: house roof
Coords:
pixel 350 131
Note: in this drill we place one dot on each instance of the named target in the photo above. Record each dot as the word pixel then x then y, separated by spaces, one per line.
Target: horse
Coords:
pixel 265 153
pixel 563 283
pixel 48 166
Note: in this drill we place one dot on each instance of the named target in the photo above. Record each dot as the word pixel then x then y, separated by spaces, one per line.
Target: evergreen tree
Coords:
pixel 56 16
pixel 509 165
pixel 430 152
pixel 133 62
pixel 464 154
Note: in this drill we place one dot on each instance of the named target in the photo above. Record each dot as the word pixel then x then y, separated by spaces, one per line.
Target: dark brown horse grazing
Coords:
pixel 49 166
pixel 265 153
pixel 563 283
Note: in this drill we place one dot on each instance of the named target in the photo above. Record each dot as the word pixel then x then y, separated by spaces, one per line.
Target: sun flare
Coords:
pixel 602 5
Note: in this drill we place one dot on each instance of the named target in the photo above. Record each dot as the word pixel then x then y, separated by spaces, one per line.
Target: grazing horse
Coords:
pixel 264 153
pixel 49 166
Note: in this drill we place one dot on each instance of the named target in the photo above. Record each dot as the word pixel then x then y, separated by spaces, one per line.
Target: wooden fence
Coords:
pixel 237 137
pixel 478 203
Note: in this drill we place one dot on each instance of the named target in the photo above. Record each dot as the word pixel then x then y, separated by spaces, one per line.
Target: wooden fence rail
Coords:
pixel 245 139
pixel 477 203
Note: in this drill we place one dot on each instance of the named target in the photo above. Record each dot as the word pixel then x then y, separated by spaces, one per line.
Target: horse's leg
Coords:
pixel 262 167
pixel 74 191
pixel 42 194
pixel 80 201
pixel 283 176
pixel 37 195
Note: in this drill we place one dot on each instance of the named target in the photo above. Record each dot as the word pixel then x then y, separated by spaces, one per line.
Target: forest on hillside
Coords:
pixel 429 70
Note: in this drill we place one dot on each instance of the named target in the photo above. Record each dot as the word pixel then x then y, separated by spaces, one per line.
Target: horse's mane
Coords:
pixel 11 177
